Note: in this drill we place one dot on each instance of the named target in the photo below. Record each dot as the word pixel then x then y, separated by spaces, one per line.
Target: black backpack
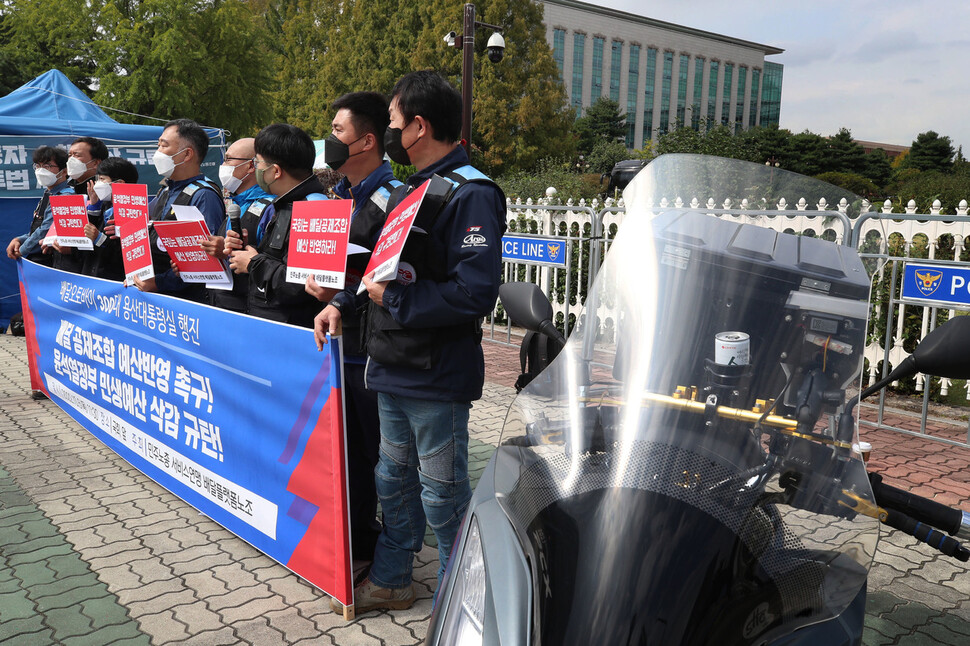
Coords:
pixel 537 352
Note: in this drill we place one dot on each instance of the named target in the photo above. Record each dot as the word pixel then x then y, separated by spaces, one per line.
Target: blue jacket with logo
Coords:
pixel 466 241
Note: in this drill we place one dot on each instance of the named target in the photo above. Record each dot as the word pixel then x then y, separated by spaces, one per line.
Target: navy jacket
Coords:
pixel 468 233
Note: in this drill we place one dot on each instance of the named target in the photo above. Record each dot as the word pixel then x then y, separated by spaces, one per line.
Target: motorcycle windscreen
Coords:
pixel 679 474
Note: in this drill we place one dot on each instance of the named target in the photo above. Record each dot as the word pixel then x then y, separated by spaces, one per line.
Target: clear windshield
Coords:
pixel 680 473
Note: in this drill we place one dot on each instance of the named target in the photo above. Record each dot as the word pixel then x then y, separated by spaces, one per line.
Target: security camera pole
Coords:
pixel 467 44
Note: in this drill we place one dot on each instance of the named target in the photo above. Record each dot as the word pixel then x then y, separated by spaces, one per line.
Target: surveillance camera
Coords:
pixel 495 47
pixel 450 38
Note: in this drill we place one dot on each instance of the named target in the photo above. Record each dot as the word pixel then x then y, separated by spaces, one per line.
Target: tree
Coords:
pixel 520 111
pixel 930 151
pixel 877 167
pixel 601 122
pixel 605 155
pixel 168 58
pixel 36 36
pixel 845 155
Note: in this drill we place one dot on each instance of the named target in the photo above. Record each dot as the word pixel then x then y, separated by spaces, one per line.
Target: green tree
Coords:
pixel 602 121
pixel 605 155
pixel 930 151
pixel 168 58
pixel 877 167
pixel 36 36
pixel 520 112
pixel 845 155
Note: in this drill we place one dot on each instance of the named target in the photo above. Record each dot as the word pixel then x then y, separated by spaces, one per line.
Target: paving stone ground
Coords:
pixel 93 552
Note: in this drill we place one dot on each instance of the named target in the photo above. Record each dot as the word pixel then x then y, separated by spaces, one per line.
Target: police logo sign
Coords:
pixel 928 281
pixel 937 284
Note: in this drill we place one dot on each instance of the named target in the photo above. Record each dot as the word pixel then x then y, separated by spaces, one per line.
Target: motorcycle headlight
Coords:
pixel 466 607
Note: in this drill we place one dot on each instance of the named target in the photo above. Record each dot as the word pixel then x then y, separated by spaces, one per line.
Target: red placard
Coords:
pixel 387 252
pixel 129 203
pixel 319 233
pixel 183 242
pixel 70 216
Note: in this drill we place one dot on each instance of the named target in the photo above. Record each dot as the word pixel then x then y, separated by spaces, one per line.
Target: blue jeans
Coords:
pixel 422 477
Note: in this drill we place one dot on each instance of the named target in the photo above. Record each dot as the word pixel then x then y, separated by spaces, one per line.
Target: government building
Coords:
pixel 661 74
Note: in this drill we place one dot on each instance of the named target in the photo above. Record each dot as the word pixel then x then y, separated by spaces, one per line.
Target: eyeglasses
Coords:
pixel 240 159
pixel 51 166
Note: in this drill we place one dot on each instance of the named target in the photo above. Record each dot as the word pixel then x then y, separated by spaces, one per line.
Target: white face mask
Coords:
pixel 44 177
pixel 75 167
pixel 229 181
pixel 102 190
pixel 165 164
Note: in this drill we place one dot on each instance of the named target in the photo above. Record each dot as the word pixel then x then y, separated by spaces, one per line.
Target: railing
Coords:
pixel 884 239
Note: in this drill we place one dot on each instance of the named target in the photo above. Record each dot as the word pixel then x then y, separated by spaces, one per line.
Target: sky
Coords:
pixel 885 70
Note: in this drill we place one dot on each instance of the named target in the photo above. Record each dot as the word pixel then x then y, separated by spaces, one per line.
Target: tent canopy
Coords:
pixel 52 105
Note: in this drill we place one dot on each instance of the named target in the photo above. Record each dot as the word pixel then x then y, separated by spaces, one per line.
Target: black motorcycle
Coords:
pixel 685 471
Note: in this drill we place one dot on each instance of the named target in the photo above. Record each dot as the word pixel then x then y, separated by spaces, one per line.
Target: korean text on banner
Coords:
pixel 319 233
pixel 255 443
pixel 130 212
pixel 387 252
pixel 70 216
pixel 183 243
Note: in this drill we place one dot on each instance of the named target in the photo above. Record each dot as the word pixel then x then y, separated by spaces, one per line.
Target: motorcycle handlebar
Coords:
pixel 923 510
pixel 926 534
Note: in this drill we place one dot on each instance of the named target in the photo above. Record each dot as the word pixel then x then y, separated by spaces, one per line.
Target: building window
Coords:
pixel 616 57
pixel 665 92
pixel 597 90
pixel 695 114
pixel 739 110
pixel 559 48
pixel 712 95
pixel 633 82
pixel 648 94
pixel 682 91
pixel 579 50
pixel 755 89
pixel 726 94
pixel 771 94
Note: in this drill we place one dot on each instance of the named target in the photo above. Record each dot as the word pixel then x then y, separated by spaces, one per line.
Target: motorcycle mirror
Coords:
pixel 527 306
pixel 945 352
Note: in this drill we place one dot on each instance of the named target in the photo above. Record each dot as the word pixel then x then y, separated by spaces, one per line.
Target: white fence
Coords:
pixel 883 238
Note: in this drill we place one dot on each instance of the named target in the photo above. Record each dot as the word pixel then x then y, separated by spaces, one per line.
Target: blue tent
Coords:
pixel 51 111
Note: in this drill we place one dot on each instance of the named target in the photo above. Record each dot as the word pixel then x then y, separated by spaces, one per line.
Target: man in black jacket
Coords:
pixel 284 167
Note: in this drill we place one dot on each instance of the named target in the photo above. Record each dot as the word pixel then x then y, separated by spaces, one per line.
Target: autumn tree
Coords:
pixel 168 58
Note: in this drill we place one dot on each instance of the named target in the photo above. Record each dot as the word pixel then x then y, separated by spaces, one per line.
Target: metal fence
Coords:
pixel 885 241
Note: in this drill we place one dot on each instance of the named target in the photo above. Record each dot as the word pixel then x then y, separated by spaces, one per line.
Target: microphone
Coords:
pixel 234 222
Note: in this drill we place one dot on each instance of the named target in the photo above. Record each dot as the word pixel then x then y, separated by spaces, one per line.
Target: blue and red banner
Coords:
pixel 238 416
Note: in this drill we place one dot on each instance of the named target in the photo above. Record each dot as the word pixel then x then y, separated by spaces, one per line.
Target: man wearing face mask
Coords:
pixel 83 158
pixel 355 147
pixel 50 169
pixel 284 167
pixel 248 200
pixel 105 261
pixel 424 335
pixel 181 149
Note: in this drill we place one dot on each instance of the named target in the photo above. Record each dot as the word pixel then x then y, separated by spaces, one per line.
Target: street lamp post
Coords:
pixel 466 42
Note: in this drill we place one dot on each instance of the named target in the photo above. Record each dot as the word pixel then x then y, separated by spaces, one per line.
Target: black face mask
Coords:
pixel 395 148
pixel 336 152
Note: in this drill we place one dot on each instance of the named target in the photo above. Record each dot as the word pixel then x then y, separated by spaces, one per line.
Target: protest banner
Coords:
pixel 70 216
pixel 183 240
pixel 130 213
pixel 319 233
pixel 387 252
pixel 255 443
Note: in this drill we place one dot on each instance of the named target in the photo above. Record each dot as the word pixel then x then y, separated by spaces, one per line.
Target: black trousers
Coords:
pixel 363 443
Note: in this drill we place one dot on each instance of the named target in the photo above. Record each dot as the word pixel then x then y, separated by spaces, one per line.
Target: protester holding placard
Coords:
pixel 105 260
pixel 355 147
pixel 181 149
pixel 284 166
pixel 424 336
pixel 50 169
pixel 238 176
pixel 83 158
